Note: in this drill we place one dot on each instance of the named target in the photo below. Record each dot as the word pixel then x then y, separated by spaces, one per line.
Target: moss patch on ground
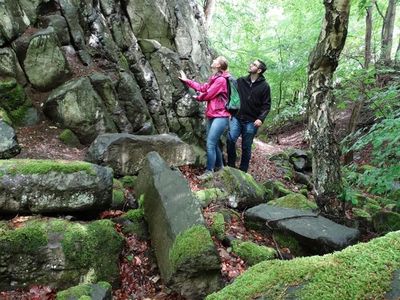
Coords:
pixel 36 166
pixel 190 244
pixel 83 291
pixel 252 253
pixel 69 138
pixel 297 201
pixel 363 271
pixel 218 225
pixel 128 181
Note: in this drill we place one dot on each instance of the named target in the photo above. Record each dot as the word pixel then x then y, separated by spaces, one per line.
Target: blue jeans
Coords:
pixel 215 128
pixel 248 131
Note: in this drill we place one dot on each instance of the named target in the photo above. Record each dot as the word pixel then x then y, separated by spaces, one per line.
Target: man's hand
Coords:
pixel 183 76
pixel 257 123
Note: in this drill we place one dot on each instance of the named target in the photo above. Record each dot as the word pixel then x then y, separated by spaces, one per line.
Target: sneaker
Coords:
pixel 206 175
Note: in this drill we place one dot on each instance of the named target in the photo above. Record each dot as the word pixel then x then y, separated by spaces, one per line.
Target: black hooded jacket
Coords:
pixel 255 99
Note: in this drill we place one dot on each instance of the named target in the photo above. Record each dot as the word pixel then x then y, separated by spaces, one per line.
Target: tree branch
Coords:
pixel 378 9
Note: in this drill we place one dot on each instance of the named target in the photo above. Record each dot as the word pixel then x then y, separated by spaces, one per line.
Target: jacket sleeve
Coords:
pixel 216 88
pixel 197 86
pixel 266 103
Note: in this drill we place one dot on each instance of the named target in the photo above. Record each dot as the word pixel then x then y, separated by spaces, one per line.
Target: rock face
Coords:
pixel 135 48
pixel 126 153
pixel 9 146
pixel 320 235
pixel 185 253
pixel 58 253
pixel 29 186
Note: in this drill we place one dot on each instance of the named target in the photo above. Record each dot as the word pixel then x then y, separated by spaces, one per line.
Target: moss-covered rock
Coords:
pixel 136 223
pixel 190 245
pixel 69 138
pixel 4 117
pixel 210 195
pixel 362 214
pixel 101 290
pixel 294 200
pixel 366 269
pixel 386 221
pixel 218 225
pixel 60 253
pixel 277 188
pixel 252 253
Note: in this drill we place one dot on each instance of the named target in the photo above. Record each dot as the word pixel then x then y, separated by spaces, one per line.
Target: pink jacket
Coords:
pixel 215 92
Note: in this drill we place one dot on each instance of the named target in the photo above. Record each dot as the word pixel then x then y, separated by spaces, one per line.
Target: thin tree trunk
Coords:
pixel 397 57
pixel 355 113
pixel 324 147
pixel 387 32
pixel 209 8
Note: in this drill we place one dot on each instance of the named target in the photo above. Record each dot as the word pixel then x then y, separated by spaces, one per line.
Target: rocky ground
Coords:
pixel 139 275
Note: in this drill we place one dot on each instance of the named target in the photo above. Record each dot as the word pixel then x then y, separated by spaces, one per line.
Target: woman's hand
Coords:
pixel 183 76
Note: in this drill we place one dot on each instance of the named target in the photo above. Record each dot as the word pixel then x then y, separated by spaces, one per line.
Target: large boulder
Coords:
pixel 9 65
pixel 186 255
pixel 364 271
pixel 45 63
pixel 9 146
pixel 42 186
pixel 77 106
pixel 59 254
pixel 244 192
pixel 126 153
pixel 13 21
pixel 317 234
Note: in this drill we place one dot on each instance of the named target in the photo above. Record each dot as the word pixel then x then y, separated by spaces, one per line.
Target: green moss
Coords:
pixel 364 271
pixel 118 198
pixel 252 253
pixel 105 285
pixel 362 214
pixel 287 241
pixel 189 244
pixel 85 298
pixel 128 181
pixel 218 226
pixel 277 188
pixel 27 239
pixel 17 116
pixel 4 117
pixel 69 138
pixel 12 95
pixel 74 292
pixel 372 208
pixel 141 201
pixel 93 246
pixel 36 166
pixel 293 200
pixel 208 196
pixel 135 215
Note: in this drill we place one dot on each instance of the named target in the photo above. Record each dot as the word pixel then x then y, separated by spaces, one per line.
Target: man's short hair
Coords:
pixel 262 66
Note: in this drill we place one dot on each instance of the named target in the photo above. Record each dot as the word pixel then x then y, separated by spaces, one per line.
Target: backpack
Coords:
pixel 233 102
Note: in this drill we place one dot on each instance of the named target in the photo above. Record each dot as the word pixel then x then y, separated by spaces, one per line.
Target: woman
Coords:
pixel 215 92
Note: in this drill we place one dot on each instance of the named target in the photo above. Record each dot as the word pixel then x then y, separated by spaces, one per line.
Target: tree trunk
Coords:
pixel 209 7
pixel 387 32
pixel 368 35
pixel 397 57
pixel 355 113
pixel 324 147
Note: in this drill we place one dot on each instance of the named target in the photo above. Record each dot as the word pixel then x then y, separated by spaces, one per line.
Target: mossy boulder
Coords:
pixel 366 268
pixel 210 195
pixel 277 188
pixel 252 253
pixel 218 225
pixel 294 200
pixel 9 146
pixel 186 256
pixel 69 138
pixel 45 63
pixel 40 186
pixel 243 190
pixel 59 253
pixel 99 291
pixel 118 195
pixel 133 222
pixel 386 221
pixel 128 181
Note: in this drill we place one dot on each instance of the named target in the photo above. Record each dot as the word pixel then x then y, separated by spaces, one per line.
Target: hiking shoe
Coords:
pixel 206 175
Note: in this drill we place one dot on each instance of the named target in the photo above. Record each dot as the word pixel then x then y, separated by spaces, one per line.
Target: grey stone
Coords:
pixel 126 153
pixel 320 235
pixel 77 106
pixel 45 63
pixel 9 146
pixel 171 210
pixel 50 190
pixel 394 293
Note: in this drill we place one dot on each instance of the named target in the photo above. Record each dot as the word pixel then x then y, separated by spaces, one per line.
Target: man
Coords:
pixel 255 104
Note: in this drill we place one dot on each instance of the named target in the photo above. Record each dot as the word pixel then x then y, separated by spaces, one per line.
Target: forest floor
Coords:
pixel 140 278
